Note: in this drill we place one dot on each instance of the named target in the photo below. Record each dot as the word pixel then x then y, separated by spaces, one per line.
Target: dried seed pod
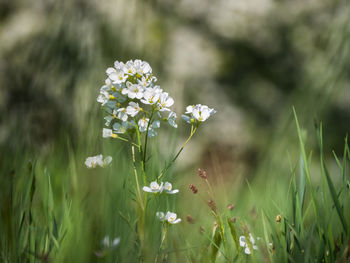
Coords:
pixel 212 205
pixel 193 188
pixel 202 174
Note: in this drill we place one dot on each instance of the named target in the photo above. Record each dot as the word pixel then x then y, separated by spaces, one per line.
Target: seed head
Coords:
pixel 202 174
pixel 193 188
pixel 212 205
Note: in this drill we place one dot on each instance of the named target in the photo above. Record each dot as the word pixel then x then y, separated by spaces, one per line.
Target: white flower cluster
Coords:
pixel 169 217
pixel 98 160
pixel 197 113
pixel 132 100
pixel 243 243
pixel 156 188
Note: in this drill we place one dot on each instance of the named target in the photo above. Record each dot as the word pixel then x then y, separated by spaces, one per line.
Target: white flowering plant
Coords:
pixel 135 109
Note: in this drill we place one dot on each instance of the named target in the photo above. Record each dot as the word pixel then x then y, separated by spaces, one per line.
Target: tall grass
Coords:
pixel 53 209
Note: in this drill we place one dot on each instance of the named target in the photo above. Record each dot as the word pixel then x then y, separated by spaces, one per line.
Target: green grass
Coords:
pixel 53 209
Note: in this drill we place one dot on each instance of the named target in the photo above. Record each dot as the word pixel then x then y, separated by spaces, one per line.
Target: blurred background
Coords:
pixel 251 60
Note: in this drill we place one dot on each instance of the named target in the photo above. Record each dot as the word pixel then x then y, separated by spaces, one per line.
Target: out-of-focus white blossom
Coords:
pixel 198 113
pixel 169 217
pixel 153 188
pixel 167 188
pixel 172 218
pixel 243 243
pixel 98 160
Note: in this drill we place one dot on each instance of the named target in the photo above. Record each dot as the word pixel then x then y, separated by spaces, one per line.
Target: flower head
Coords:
pixel 98 160
pixel 198 113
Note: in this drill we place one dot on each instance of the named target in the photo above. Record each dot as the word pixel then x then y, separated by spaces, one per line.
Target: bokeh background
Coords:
pixel 251 60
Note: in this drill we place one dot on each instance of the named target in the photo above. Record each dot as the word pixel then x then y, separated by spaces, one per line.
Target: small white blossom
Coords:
pixel 133 109
pixel 116 76
pixel 133 90
pixel 198 113
pixel 108 243
pixel 151 96
pixel 172 218
pixel 165 101
pixel 154 188
pixel 103 97
pixel 129 68
pixel 168 188
pixel 143 123
pixel 94 161
pixel 243 243
pixel 122 114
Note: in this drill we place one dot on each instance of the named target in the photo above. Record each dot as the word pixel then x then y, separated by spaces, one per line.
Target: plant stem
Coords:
pixel 193 131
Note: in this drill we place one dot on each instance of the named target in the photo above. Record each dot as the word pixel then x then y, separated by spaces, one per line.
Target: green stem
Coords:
pixel 140 152
pixel 125 140
pixel 146 139
pixel 193 131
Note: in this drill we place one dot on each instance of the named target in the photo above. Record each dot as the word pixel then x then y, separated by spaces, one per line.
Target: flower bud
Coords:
pixel 190 219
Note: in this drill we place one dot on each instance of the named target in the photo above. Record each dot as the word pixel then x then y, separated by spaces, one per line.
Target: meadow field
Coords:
pixel 110 154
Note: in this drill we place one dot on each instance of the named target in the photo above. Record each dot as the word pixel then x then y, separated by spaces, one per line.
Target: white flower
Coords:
pixel 143 123
pixel 107 243
pixel 122 114
pixel 172 119
pixel 129 68
pixel 116 76
pixel 151 96
pixel 142 67
pixel 103 97
pixel 94 161
pixel 165 101
pixel 168 188
pixel 202 112
pixel 199 112
pixel 189 109
pixel 144 82
pixel 243 243
pixel 133 90
pixel 133 109
pixel 172 218
pixel 154 188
